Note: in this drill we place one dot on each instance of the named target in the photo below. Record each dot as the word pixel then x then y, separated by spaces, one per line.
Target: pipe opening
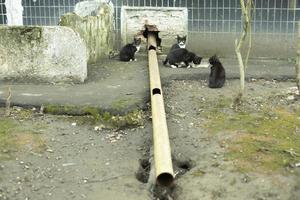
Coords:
pixel 165 179
pixel 156 91
pixel 153 30
pixel 152 48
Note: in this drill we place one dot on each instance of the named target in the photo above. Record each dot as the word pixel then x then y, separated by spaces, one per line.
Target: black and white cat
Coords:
pixel 181 43
pixel 127 53
pixel 217 73
pixel 180 55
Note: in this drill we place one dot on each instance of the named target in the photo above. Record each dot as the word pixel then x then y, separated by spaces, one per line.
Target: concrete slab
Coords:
pixel 119 87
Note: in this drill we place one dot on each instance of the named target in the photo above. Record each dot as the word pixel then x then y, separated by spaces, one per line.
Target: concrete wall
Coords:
pixel 263 45
pixel 169 21
pixel 97 31
pixel 42 54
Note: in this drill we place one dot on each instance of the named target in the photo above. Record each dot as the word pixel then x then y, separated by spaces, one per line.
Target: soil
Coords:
pixel 66 157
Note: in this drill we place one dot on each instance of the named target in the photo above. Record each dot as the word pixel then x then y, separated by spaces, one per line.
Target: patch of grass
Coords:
pixel 266 140
pixel 14 138
pixel 131 119
pixel 7 145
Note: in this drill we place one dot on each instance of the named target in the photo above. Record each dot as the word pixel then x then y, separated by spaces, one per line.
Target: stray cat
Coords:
pixel 158 39
pixel 175 57
pixel 181 42
pixel 217 73
pixel 127 53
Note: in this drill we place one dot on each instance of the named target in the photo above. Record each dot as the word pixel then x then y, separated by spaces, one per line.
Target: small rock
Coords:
pixel 246 178
pixel 58 158
pixel 97 128
pixel 85 180
pixel 67 164
pixel 291 97
pixel 107 163
pixel 74 124
pixel 5 151
pixel 49 150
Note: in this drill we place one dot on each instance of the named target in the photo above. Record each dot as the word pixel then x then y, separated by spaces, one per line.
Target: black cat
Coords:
pixel 158 39
pixel 217 73
pixel 127 53
pixel 181 42
pixel 177 56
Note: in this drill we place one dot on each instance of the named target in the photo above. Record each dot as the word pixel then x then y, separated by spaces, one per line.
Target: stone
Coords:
pixel 86 8
pixel 170 21
pixel 42 54
pixel 95 25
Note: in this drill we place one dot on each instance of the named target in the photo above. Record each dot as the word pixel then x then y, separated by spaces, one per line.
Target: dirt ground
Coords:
pixel 246 152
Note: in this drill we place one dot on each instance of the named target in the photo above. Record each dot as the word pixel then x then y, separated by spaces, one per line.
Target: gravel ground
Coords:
pixel 65 157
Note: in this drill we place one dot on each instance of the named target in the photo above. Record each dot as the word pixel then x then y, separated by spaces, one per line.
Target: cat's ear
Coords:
pixel 178 36
pixel 184 37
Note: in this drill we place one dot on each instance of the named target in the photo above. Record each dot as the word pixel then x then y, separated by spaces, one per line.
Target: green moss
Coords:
pixel 26 34
pixel 120 104
pixel 92 111
pixel 131 119
pixel 106 116
pixel 13 138
pixel 65 109
pixel 6 144
pixel 259 140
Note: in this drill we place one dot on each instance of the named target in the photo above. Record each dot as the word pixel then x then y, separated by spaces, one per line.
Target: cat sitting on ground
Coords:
pixel 217 73
pixel 177 56
pixel 127 53
pixel 181 43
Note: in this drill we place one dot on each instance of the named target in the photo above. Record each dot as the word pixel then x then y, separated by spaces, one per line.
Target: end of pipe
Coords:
pixel 165 179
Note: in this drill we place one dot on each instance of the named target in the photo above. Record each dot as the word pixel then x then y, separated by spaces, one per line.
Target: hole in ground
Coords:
pixel 142 174
pixel 159 192
pixel 182 166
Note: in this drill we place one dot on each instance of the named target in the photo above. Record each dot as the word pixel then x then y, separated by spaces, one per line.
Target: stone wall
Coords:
pixel 96 29
pixel 169 21
pixel 42 54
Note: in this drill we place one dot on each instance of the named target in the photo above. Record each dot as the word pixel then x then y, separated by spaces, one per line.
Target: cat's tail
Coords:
pixel 166 61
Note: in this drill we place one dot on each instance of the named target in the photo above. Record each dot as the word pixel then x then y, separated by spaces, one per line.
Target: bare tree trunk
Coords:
pixel 242 69
pixel 298 61
pixel 7 103
pixel 246 6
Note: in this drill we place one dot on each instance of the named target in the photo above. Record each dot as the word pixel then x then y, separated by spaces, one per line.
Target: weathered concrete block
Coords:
pixel 90 7
pixel 97 31
pixel 169 21
pixel 44 54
